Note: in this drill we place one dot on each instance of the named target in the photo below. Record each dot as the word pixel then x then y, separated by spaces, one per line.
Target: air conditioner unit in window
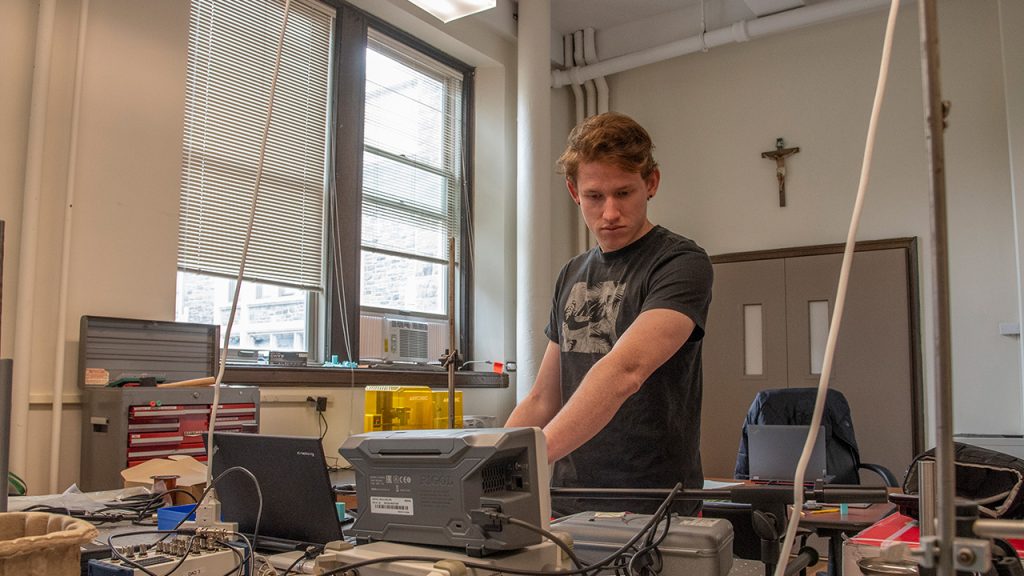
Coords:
pixel 405 340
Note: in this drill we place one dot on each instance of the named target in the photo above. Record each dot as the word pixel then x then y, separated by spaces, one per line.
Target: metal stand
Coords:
pixel 6 369
pixel 450 360
pixel 935 112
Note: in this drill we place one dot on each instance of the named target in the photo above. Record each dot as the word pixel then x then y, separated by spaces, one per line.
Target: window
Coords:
pixel 364 178
pixel 405 175
pixel 411 178
pixel 232 48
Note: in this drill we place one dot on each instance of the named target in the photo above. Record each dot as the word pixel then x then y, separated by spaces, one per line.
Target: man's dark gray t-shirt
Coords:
pixel 653 441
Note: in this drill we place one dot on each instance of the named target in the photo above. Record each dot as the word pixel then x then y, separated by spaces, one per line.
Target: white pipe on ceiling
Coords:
pixel 577 92
pixel 590 58
pixel 739 32
pixel 533 190
pixel 578 59
pixel 569 46
pixel 29 233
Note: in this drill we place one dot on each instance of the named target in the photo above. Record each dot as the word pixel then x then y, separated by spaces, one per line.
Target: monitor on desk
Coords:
pixel 298 499
pixel 774 451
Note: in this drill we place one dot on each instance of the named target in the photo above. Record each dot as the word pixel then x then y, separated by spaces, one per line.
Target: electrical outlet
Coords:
pixel 319 403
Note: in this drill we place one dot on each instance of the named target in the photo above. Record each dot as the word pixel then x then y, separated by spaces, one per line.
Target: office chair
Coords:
pixel 796 406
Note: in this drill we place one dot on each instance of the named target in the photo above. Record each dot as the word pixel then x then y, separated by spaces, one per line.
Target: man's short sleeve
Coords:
pixel 681 281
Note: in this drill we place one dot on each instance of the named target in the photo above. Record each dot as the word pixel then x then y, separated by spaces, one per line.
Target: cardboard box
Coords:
pixel 191 475
pixel 887 535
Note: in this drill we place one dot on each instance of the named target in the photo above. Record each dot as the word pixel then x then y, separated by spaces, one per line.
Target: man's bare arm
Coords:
pixel 651 340
pixel 545 398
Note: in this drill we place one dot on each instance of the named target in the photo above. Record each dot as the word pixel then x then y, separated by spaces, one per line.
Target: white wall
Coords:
pixel 125 181
pixel 125 184
pixel 712 114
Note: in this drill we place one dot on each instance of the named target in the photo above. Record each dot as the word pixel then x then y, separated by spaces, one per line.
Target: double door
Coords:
pixel 767 328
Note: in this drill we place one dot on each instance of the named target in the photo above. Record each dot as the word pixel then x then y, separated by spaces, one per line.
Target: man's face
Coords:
pixel 613 202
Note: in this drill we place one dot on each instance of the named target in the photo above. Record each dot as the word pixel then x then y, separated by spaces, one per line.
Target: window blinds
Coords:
pixel 232 45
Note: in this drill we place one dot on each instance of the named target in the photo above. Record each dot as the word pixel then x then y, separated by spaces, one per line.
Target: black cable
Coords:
pixel 592 569
pixel 116 554
pixel 324 419
pixel 184 518
pixel 237 569
pixel 655 518
pixel 545 533
pixel 252 554
pixel 650 551
pixel 651 548
pixel 294 564
pixel 234 570
pixel 259 494
pixel 94 517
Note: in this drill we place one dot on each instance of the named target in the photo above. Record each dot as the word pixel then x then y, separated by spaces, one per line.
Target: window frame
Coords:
pixel 345 181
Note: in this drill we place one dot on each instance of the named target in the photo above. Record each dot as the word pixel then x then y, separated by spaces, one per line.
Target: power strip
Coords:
pixel 217 562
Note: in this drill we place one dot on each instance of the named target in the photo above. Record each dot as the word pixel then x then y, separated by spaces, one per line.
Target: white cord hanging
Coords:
pixel 844 276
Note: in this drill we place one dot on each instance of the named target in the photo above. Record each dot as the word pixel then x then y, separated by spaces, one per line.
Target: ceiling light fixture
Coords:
pixel 448 10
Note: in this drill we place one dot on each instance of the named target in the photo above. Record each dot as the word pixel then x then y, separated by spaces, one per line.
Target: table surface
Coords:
pixel 855 520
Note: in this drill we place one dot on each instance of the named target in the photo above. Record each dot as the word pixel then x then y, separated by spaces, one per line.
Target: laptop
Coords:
pixel 298 499
pixel 773 452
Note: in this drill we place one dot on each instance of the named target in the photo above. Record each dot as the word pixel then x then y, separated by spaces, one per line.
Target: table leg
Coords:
pixel 835 554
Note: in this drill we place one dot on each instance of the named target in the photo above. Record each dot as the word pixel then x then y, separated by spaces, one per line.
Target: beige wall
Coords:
pixel 712 114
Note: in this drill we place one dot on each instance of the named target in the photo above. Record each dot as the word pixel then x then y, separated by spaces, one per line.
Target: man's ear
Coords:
pixel 572 191
pixel 652 183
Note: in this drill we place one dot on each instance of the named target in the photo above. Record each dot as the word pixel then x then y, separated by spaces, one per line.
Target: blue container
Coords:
pixel 169 516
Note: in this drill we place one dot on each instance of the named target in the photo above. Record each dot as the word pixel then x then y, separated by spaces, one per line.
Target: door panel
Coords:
pixel 728 390
pixel 873 362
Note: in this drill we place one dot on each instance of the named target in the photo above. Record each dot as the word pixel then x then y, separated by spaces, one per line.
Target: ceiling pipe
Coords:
pixel 590 58
pixel 577 92
pixel 588 85
pixel 741 31
pixel 570 60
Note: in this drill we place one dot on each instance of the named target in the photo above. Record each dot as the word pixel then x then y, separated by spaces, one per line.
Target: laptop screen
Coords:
pixel 298 500
pixel 774 450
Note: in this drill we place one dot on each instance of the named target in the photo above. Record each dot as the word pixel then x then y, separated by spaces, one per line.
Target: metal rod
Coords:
pixel 926 496
pixel 935 120
pixel 741 494
pixel 6 367
pixel 453 354
pixel 999 528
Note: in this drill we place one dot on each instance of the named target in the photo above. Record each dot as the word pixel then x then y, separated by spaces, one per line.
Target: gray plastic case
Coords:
pixel 693 545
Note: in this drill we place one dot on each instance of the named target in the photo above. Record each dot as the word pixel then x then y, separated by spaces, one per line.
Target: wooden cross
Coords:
pixel 779 155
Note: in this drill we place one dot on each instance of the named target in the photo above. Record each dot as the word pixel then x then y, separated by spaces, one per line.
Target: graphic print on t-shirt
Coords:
pixel 590 315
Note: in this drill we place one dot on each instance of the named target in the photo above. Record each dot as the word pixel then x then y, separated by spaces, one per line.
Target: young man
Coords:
pixel 618 392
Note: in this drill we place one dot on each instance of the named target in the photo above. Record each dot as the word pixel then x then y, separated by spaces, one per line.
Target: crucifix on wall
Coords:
pixel 779 155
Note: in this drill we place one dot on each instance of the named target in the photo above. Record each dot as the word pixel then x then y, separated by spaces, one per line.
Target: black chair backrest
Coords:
pixel 796 406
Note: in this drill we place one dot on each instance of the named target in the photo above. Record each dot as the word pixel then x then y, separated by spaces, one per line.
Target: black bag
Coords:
pixel 992 479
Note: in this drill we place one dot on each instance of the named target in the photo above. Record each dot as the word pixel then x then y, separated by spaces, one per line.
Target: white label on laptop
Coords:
pixel 389 505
